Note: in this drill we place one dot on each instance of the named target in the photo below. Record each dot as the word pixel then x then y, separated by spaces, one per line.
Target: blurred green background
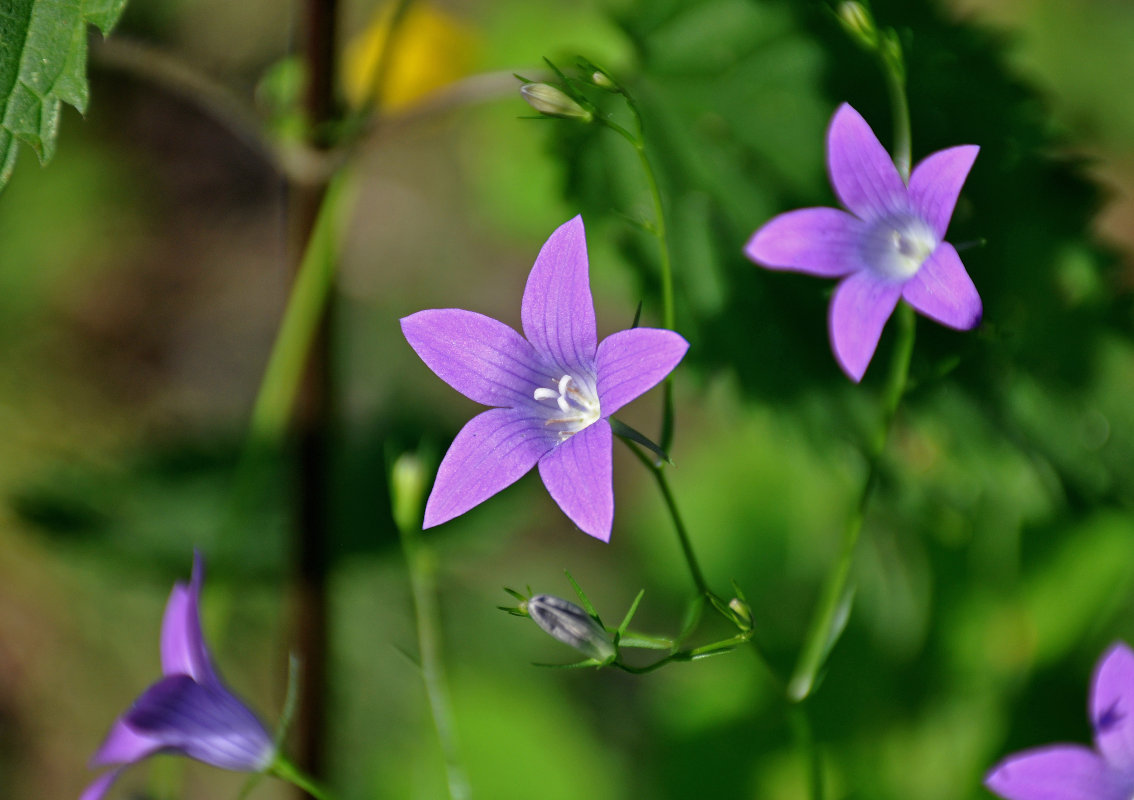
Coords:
pixel 997 560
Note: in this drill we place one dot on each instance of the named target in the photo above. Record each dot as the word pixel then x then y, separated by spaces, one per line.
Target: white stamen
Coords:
pixel 576 401
pixel 898 245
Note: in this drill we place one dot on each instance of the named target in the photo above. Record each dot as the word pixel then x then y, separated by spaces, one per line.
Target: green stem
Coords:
pixel 834 603
pixel 309 294
pixel 669 314
pixel 890 58
pixel 286 771
pixel 423 586
pixel 678 524
pixel 805 736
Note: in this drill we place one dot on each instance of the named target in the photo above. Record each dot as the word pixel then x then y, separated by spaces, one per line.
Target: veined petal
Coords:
pixel 1112 707
pixel 936 182
pixel 864 176
pixel 818 241
pixel 631 362
pixel 579 477
pixel 480 357
pixel 124 745
pixel 942 290
pixel 183 648
pixel 494 450
pixel 1058 772
pixel 859 310
pixel 205 722
pixel 100 785
pixel 557 312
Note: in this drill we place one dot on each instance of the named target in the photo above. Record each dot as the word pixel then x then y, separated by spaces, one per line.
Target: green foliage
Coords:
pixel 43 63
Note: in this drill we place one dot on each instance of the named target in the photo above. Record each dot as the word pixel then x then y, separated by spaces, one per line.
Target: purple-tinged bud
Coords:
pixel 554 102
pixel 571 625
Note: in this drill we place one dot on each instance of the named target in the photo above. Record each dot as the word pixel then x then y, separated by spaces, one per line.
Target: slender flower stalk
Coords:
pixel 833 609
pixel 407 488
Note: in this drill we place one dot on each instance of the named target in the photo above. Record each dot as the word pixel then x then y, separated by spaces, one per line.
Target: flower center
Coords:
pixel 897 246
pixel 571 406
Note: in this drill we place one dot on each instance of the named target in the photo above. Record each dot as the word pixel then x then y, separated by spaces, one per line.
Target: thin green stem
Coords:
pixel 423 585
pixel 309 294
pixel 287 771
pixel 894 69
pixel 805 736
pixel 669 314
pixel 835 600
pixel 678 524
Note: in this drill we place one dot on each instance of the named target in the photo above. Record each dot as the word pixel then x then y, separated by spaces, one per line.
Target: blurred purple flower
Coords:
pixel 188 712
pixel 552 391
pixel 1074 772
pixel 890 246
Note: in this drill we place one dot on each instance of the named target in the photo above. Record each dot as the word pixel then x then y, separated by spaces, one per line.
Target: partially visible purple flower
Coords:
pixel 890 246
pixel 188 712
pixel 552 391
pixel 1075 772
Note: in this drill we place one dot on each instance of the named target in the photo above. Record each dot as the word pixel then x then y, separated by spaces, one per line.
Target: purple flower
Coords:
pixel 552 391
pixel 890 246
pixel 1074 772
pixel 189 711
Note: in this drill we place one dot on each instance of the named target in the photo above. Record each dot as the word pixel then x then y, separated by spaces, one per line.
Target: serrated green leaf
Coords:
pixel 43 63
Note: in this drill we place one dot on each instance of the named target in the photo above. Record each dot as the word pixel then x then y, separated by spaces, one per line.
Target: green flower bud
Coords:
pixel 407 491
pixel 571 625
pixel 742 613
pixel 857 22
pixel 553 101
pixel 603 81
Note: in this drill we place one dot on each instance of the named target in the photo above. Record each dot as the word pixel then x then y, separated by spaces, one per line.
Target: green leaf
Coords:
pixel 43 61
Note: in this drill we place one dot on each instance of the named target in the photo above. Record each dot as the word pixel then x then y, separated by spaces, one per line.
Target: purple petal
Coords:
pixel 100 785
pixel 579 477
pixel 1112 706
pixel 124 745
pixel 183 648
pixel 864 176
pixel 936 182
pixel 480 357
pixel 859 310
pixel 494 450
pixel 205 722
pixel 631 362
pixel 943 291
pixel 818 241
pixel 558 313
pixel 1058 772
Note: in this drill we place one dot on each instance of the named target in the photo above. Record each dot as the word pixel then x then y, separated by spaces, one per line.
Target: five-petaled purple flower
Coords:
pixel 189 711
pixel 552 391
pixel 890 246
pixel 1075 772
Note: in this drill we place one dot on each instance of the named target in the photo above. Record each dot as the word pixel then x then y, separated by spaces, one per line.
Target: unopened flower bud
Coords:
pixel 603 81
pixel 553 101
pixel 741 612
pixel 857 22
pixel 407 491
pixel 571 625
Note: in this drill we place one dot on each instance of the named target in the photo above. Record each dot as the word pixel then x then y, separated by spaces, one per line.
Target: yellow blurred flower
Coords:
pixel 429 50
